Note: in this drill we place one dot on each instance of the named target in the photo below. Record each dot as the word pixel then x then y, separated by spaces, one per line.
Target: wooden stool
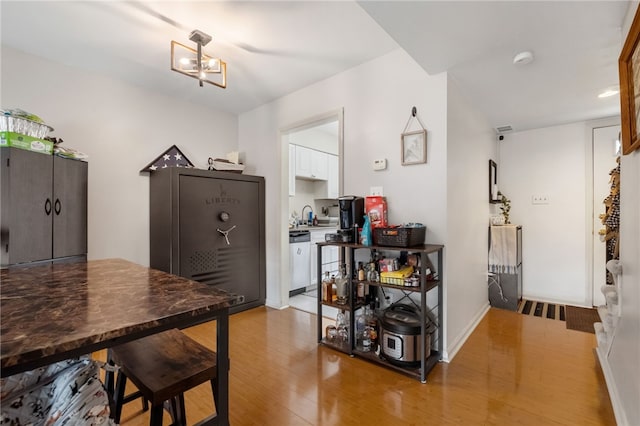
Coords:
pixel 163 366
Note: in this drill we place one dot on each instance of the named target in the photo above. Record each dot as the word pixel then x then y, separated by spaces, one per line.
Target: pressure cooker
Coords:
pixel 400 335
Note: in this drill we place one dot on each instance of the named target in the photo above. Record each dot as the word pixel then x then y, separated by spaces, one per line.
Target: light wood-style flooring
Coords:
pixel 513 370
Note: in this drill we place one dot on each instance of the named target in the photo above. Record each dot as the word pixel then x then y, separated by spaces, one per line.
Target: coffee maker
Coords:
pixel 351 217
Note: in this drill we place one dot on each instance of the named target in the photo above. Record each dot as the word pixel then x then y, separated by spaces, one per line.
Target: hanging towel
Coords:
pixel 503 249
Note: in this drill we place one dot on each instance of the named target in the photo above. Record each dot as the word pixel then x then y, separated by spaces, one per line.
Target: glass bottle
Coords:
pixel 372 324
pixel 326 287
pixel 359 330
pixel 342 287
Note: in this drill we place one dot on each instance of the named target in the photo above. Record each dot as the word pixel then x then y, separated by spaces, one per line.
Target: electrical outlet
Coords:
pixel 376 190
pixel 539 199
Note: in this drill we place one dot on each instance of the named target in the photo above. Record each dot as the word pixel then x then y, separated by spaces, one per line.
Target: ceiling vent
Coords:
pixel 504 129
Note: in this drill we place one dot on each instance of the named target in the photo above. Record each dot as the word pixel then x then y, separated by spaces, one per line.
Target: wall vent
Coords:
pixel 503 129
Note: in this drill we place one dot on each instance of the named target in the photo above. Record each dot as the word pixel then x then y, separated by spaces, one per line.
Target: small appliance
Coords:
pixel 351 217
pixel 400 335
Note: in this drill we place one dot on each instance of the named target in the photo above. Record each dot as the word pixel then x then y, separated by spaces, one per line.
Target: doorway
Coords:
pixel 605 147
pixel 313 149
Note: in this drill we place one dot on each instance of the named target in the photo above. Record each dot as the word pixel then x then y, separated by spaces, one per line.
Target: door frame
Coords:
pixel 589 139
pixel 336 114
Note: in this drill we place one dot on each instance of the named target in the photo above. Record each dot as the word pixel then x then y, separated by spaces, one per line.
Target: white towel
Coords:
pixel 503 249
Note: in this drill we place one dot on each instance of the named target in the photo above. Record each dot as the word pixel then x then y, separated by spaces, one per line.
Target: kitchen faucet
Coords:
pixel 303 219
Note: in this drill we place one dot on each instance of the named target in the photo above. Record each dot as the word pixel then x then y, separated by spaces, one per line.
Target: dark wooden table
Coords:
pixel 56 311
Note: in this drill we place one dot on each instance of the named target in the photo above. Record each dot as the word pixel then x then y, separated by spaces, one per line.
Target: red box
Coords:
pixel 375 207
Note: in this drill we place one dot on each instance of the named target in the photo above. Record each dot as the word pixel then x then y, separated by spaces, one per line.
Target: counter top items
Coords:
pixel 375 207
pixel 172 157
pixel 57 311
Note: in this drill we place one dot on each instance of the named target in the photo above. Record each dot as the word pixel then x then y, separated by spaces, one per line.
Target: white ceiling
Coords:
pixel 275 48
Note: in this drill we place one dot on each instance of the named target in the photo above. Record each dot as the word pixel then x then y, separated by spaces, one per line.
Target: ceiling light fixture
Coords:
pixel 194 63
pixel 523 58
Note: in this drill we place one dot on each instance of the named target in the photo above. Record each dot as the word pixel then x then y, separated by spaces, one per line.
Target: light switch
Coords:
pixel 540 199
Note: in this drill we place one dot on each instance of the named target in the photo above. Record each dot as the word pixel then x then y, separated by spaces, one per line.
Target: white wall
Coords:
pixel 376 110
pixel 471 142
pixel 377 106
pixel 549 161
pixel 122 128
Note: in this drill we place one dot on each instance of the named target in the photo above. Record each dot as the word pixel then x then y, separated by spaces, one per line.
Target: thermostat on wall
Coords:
pixel 380 164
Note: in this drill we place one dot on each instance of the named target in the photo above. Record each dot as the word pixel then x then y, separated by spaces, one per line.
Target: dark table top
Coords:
pixel 50 311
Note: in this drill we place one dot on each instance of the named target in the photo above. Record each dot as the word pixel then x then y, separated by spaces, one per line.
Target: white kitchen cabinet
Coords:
pixel 330 255
pixel 310 164
pixel 292 170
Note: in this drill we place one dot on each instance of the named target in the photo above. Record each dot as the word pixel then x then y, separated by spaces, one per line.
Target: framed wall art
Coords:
pixel 493 182
pixel 629 72
pixel 414 147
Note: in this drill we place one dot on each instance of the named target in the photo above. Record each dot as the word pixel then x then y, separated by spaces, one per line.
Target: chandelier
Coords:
pixel 194 63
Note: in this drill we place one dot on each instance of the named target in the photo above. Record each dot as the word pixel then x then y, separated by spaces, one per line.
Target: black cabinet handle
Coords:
pixel 57 206
pixel 47 207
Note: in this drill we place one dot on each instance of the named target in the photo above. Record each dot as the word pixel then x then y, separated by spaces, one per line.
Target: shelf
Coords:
pixel 431 361
pixel 426 248
pixel 339 346
pixel 346 306
pixel 348 255
pixel 431 284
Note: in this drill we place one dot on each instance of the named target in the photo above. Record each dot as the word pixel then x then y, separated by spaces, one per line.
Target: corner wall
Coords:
pixel 471 142
pixel 122 128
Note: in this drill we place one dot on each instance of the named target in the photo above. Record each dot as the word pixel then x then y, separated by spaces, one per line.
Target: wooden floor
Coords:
pixel 514 369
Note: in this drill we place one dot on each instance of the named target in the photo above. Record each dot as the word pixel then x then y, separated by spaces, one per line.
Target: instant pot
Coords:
pixel 400 335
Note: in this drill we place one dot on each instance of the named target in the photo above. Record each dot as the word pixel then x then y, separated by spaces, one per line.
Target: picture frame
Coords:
pixel 629 73
pixel 414 147
pixel 494 198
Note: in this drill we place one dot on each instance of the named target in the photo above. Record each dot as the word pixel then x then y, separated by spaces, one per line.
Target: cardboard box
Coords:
pixel 29 143
pixel 375 207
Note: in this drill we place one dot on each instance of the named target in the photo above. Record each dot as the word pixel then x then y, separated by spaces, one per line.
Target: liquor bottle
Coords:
pixel 326 287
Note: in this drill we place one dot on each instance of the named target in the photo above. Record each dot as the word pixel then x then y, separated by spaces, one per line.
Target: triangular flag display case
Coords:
pixel 172 157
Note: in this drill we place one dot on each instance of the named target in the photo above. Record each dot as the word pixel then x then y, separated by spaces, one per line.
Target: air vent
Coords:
pixel 503 129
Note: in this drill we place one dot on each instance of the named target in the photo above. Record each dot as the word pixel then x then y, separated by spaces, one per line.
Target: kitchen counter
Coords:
pixel 314 228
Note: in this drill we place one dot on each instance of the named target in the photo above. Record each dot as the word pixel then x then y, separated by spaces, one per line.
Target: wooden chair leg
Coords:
pixel 121 384
pixel 156 415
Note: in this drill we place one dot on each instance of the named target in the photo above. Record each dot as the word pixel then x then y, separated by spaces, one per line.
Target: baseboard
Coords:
pixel 275 305
pixel 449 354
pixel 618 411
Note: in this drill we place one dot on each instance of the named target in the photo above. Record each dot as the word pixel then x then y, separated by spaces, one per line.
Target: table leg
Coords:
pixel 222 349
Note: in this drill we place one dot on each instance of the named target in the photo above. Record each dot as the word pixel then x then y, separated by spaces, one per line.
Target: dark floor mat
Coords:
pixel 581 319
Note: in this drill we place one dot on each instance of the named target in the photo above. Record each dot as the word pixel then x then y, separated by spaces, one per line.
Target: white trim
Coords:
pixel 449 354
pixel 616 403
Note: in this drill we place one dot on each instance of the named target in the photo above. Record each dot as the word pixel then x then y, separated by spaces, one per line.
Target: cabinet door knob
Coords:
pixel 57 206
pixel 47 207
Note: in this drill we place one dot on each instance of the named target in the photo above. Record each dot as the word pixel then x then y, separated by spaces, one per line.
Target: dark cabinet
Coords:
pixel 210 227
pixel 43 210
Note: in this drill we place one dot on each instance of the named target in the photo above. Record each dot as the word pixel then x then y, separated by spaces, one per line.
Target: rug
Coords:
pixel 542 309
pixel 582 319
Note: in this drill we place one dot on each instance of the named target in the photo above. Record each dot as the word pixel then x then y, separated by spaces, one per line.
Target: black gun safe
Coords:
pixel 209 226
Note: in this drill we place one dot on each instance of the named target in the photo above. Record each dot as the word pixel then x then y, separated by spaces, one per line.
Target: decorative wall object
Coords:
pixel 413 144
pixel 494 197
pixel 172 157
pixel 629 71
